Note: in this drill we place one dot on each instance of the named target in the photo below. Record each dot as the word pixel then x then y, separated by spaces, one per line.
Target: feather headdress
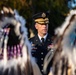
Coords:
pixel 64 59
pixel 15 48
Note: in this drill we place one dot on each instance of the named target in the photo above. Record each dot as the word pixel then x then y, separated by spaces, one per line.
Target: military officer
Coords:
pixel 41 42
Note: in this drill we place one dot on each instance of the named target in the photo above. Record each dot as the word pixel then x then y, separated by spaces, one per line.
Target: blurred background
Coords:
pixel 27 8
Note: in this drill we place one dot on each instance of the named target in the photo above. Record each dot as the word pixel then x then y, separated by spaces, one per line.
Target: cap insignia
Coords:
pixel 43 15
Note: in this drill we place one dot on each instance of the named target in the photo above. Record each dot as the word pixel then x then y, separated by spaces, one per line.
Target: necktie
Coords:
pixel 42 40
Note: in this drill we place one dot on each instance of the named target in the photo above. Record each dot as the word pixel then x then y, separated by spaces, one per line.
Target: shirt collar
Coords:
pixel 42 37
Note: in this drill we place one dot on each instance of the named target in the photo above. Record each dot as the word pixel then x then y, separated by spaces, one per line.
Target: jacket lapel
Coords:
pixel 37 40
pixel 48 39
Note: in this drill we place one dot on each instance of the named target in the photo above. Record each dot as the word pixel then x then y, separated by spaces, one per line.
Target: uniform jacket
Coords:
pixel 39 50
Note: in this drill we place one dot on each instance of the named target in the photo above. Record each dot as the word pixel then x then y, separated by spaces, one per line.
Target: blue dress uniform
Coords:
pixel 40 50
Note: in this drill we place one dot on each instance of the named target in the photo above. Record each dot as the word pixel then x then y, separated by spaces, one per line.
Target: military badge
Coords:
pixel 34 47
pixel 43 15
pixel 50 47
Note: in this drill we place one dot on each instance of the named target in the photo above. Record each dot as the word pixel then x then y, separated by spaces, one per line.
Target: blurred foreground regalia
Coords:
pixel 64 58
pixel 15 49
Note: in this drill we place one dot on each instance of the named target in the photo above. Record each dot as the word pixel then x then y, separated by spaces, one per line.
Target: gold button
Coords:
pixel 41 52
pixel 41 64
pixel 41 58
pixel 42 70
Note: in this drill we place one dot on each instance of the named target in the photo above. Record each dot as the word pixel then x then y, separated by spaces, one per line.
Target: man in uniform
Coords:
pixel 41 42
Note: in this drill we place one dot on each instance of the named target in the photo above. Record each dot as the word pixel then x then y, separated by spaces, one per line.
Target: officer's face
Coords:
pixel 41 28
